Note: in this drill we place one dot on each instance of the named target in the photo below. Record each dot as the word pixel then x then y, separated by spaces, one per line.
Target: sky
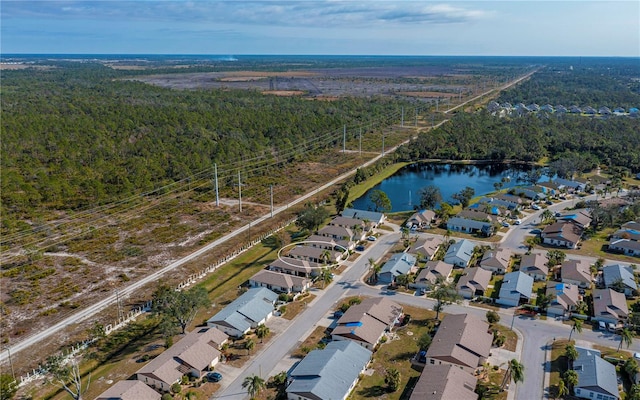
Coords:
pixel 332 27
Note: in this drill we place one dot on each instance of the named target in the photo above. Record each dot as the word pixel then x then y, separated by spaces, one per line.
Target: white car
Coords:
pixel 371 238
pixel 535 206
pixel 517 222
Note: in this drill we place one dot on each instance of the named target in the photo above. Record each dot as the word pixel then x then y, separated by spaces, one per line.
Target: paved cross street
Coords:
pixel 535 335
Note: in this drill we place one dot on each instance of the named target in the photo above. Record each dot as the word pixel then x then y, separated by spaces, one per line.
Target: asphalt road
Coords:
pixel 537 334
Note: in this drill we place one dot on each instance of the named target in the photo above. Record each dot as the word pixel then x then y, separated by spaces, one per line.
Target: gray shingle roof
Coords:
pixel 252 306
pixel 329 373
pixel 594 373
pixel 613 273
pixel 517 282
pixel 399 264
pixel 462 249
pixel 129 390
pixel 444 382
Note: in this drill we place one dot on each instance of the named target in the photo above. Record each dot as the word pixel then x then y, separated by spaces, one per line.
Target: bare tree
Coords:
pixel 66 374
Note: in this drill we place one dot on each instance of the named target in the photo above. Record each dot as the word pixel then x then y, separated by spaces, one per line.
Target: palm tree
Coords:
pixel 571 353
pixel 325 256
pixel 562 390
pixel 515 372
pixel 571 379
pixel 392 379
pixel 254 385
pixel 577 327
pixel 445 294
pixel 262 331
pixel 250 344
pixel 326 277
pixel 625 337
pixel 546 215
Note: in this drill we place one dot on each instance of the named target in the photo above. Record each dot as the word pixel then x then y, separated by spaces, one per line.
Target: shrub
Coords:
pixel 167 396
pixel 493 317
pixel 176 387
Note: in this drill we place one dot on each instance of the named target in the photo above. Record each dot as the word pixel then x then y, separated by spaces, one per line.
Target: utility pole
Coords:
pixel 13 374
pixel 215 171
pixel 119 305
pixel 239 191
pixel 271 190
pixel 344 138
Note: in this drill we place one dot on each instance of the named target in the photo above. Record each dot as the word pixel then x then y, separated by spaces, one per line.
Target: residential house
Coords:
pixel 516 287
pixel 357 226
pixel 573 186
pixel 459 224
pixel 535 265
pixel 489 209
pixel 421 219
pixel 575 110
pixel 564 298
pixel 597 378
pixel 629 230
pixel 511 199
pixel 562 234
pixel 460 253
pixel 339 233
pixel 432 273
pixel 577 272
pixel 193 355
pixel 625 246
pixel 330 373
pixel 609 306
pixel 280 283
pixel 444 382
pixel 329 243
pixel 631 225
pixel 561 109
pixel 129 390
pixel 474 282
pixel 398 264
pixel 478 215
pixel 425 248
pixel 581 217
pixel 366 323
pixel 496 261
pixel 550 188
pixel 530 192
pixel 315 254
pixel 495 202
pixel 372 217
pixel 294 266
pixel 620 277
pixel 547 108
pixel 462 340
pixel 252 308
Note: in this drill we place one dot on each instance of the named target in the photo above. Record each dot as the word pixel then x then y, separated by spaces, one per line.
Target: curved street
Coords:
pixel 535 335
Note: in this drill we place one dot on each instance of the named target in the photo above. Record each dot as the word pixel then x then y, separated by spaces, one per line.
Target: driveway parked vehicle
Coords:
pixel 214 376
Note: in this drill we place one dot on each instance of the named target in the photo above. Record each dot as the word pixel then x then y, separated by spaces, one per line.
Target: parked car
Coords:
pixel 214 376
pixel 548 202
pixel 505 224
pixel 535 206
pixel 360 248
pixel 371 238
pixel 517 222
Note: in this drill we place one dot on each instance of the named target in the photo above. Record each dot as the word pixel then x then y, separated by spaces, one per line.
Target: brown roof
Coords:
pixel 497 259
pixel 475 278
pixel 196 350
pixel 576 270
pixel 563 294
pixel 565 231
pixel 366 329
pixel 336 231
pixel 609 304
pixel 461 339
pixel 129 390
pixel 369 319
pixel 278 279
pixel 534 263
pixel 347 222
pixel 381 308
pixel 434 270
pixel 444 382
pixel 426 246
pixel 293 264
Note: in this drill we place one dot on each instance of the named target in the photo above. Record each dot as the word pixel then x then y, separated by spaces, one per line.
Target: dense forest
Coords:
pixel 583 82
pixel 81 136
pixel 482 136
pixel 585 142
